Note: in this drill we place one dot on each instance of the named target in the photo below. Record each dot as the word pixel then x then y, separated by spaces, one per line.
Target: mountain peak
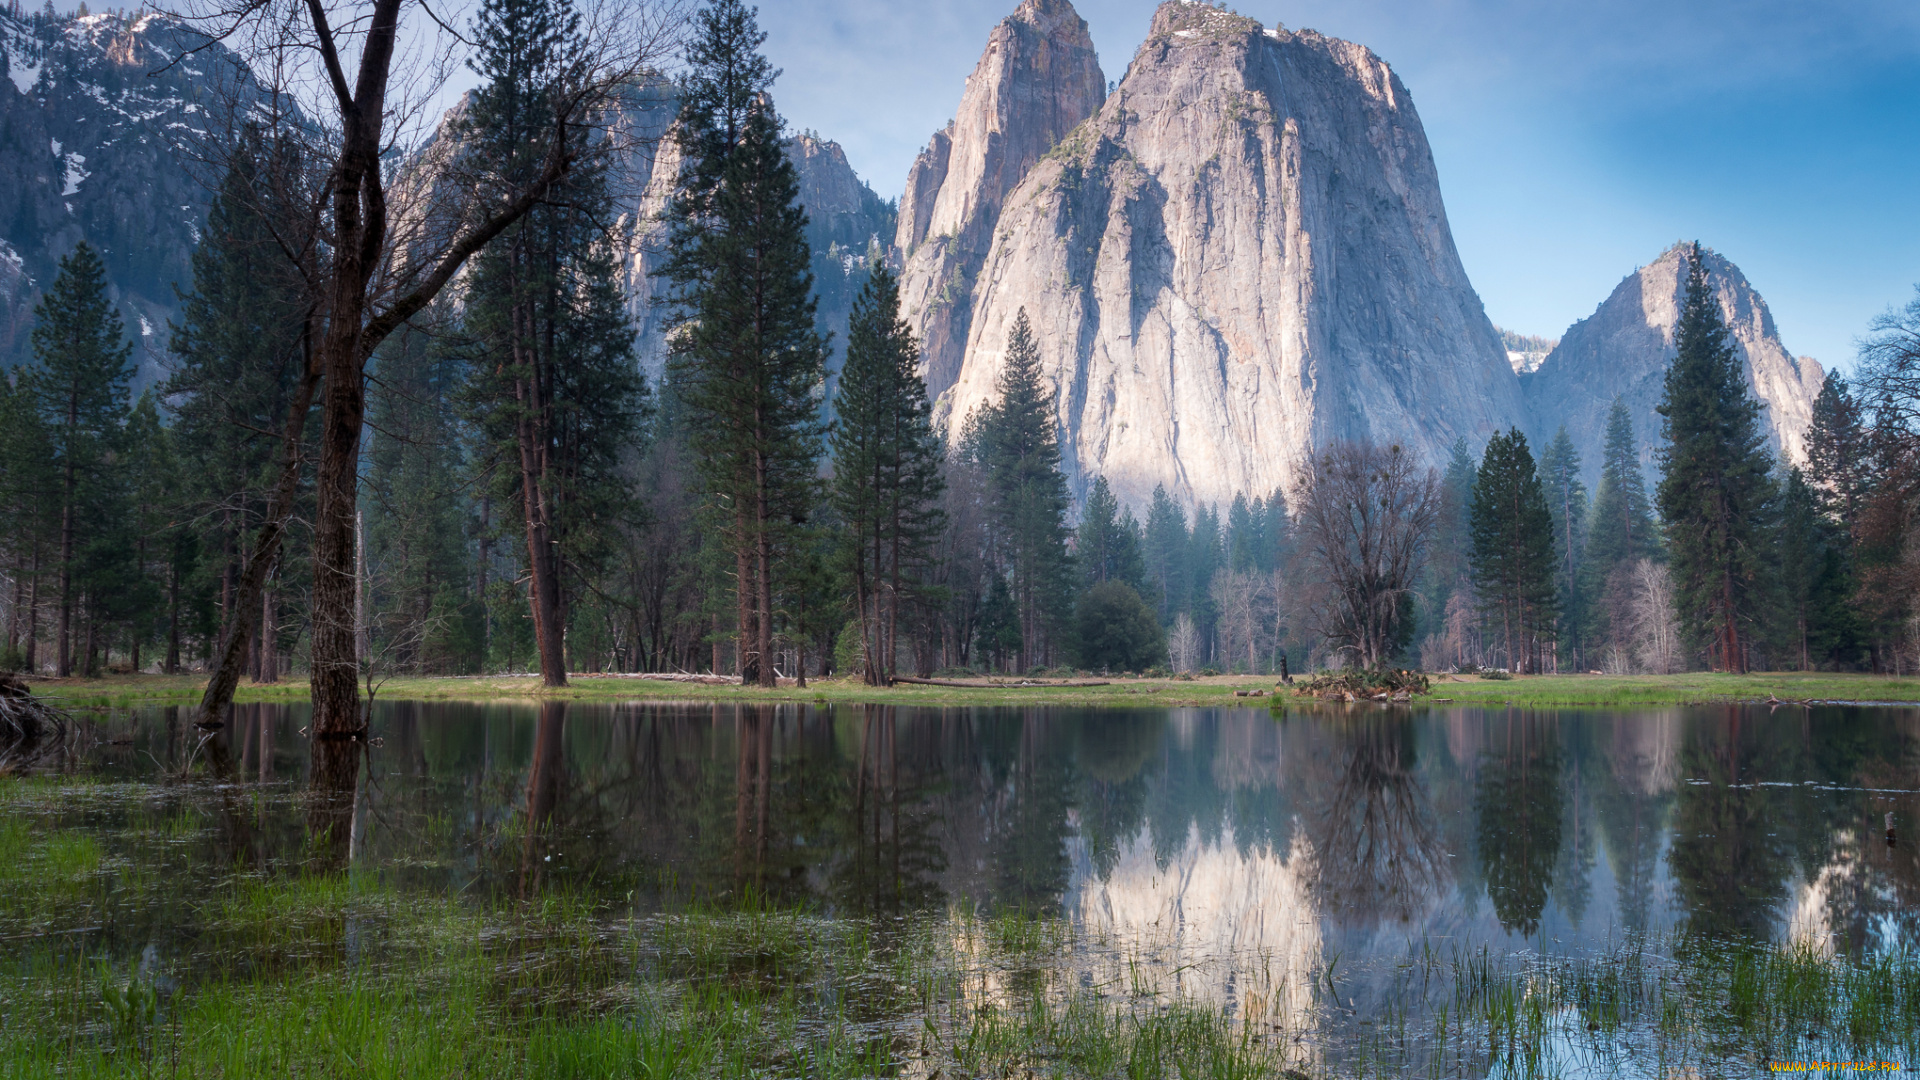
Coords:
pixel 1037 79
pixel 1624 347
pixel 1193 19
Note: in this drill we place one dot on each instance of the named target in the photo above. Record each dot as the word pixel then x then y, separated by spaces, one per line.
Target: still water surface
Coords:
pixel 1222 845
pixel 1212 828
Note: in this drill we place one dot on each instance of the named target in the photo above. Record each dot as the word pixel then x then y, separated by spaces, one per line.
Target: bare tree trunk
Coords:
pixel 173 617
pixel 234 637
pixel 269 671
pixel 63 663
pixel 33 612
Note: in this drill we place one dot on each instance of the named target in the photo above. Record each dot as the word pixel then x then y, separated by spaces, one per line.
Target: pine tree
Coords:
pixel 747 357
pixel 417 510
pixel 30 488
pixel 1019 446
pixel 1107 543
pixel 1840 477
pixel 1620 533
pixel 241 396
pixel 1206 553
pixel 1840 458
pixel 557 393
pixel 78 383
pixel 1166 554
pixel 1513 549
pixel 1567 502
pixel 1716 495
pixel 887 484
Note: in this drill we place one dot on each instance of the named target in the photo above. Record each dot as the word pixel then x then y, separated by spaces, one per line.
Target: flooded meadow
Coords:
pixel 554 889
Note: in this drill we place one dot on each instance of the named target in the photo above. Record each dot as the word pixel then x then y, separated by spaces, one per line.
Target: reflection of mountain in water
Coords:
pixel 1201 831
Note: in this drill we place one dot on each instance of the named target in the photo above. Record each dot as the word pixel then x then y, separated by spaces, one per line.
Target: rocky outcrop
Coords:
pixel 847 224
pixel 1242 255
pixel 1037 80
pixel 1624 347
pixel 102 125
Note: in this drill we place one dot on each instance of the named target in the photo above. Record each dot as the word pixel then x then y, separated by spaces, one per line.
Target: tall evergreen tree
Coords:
pixel 1843 464
pixel 1166 554
pixel 1621 530
pixel 241 395
pixel 887 483
pixel 1108 540
pixel 1019 445
pixel 1840 455
pixel 30 486
pixel 556 391
pixel 1716 495
pixel 1513 550
pixel 78 383
pixel 748 360
pixel 1206 554
pixel 428 614
pixel 1567 502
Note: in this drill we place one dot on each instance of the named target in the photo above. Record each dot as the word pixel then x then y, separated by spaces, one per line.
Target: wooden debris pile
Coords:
pixel 1356 684
pixel 23 717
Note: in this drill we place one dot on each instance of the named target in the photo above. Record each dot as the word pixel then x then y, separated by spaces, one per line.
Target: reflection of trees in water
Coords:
pixel 1731 857
pixel 1572 886
pixel 1518 816
pixel 888 860
pixel 546 777
pixel 1376 852
pixel 1030 865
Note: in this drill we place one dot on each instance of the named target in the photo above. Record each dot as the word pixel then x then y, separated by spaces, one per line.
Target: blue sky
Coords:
pixel 1574 141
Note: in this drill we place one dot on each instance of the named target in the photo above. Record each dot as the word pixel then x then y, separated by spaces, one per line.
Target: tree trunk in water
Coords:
pixel 239 629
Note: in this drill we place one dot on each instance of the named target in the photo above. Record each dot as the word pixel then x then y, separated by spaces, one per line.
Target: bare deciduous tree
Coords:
pixel 1656 623
pixel 1366 515
pixel 1244 600
pixel 1183 645
pixel 396 225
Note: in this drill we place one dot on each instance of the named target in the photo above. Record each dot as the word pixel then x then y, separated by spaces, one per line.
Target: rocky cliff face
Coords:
pixel 98 141
pixel 847 224
pixel 1037 80
pixel 1242 255
pixel 1624 347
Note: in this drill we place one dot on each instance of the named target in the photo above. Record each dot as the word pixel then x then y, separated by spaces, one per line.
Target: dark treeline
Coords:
pixel 527 501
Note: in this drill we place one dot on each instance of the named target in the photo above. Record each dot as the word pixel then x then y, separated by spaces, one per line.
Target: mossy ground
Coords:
pixel 1525 691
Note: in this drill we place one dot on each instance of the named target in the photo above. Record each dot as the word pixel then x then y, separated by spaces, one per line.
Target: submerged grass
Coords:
pixel 114 968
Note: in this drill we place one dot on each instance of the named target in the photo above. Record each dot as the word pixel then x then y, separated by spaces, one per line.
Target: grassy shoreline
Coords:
pixel 1528 691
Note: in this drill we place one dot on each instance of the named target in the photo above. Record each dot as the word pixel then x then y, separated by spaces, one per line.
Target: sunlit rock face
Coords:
pixel 1243 255
pixel 1623 350
pixel 1036 81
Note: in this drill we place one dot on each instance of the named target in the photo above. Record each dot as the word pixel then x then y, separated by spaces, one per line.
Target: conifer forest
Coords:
pixel 433 450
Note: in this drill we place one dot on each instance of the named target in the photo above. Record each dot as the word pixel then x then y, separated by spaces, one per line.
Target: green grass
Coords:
pixel 1524 691
pixel 338 974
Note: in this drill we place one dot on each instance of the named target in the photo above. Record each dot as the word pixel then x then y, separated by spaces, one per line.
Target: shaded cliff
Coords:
pixel 1624 347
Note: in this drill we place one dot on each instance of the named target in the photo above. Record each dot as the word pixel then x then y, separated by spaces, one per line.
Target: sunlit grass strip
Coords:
pixel 1531 691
